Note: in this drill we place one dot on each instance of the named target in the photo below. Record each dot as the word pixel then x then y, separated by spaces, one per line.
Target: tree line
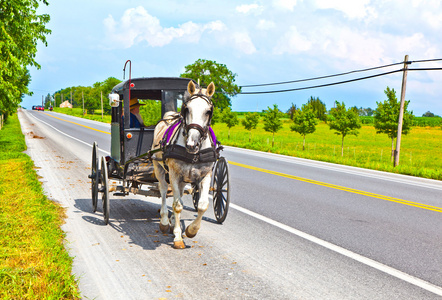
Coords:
pixel 89 95
pixel 343 121
pixel 21 29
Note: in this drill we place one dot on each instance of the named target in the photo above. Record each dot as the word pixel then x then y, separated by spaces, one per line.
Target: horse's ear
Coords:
pixel 211 89
pixel 191 88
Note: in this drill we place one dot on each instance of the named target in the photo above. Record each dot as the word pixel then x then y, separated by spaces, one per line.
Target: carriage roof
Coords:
pixel 151 87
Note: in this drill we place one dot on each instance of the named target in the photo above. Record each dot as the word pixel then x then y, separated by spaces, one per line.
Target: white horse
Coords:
pixel 183 163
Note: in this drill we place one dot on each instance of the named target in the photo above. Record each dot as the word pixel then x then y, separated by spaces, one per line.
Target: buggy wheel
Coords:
pixel 94 177
pixel 195 195
pixel 220 189
pixel 105 190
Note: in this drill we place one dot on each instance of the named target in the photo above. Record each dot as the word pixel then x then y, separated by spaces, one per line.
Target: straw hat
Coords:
pixel 134 102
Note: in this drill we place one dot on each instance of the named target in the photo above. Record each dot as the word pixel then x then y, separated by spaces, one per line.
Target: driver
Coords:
pixel 136 121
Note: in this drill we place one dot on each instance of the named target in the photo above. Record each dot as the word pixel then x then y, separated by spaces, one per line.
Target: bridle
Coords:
pixel 202 130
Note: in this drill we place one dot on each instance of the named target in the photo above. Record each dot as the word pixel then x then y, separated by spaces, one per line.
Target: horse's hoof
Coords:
pixel 164 228
pixel 179 245
pixel 190 235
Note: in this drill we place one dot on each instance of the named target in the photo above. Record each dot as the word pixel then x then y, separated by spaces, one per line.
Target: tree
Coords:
pixel 344 121
pixel 386 117
pixel 207 71
pixel 230 118
pixel 272 121
pixel 216 116
pixel 250 122
pixel 291 111
pixel 366 112
pixel 304 122
pixel 48 101
pixel 318 108
pixel 21 29
pixel 92 95
pixel 428 114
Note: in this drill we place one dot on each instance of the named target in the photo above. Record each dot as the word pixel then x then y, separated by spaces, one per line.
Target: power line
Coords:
pixel 341 74
pixel 424 69
pixel 324 85
pixel 426 60
pixel 322 77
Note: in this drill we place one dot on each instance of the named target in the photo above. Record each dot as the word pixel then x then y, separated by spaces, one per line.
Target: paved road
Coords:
pixel 297 229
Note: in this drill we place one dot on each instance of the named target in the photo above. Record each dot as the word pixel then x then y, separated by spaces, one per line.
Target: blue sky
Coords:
pixel 260 41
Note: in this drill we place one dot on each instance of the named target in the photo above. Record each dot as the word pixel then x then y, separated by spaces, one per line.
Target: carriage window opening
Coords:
pixel 150 112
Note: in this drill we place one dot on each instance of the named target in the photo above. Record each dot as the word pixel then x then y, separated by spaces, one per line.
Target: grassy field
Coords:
pixel 421 151
pixel 33 261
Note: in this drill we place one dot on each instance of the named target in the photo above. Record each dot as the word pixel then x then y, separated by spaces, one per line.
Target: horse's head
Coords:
pixel 197 113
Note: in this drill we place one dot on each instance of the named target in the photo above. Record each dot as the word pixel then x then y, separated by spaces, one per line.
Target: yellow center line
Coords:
pixel 337 187
pixel 77 124
pixel 329 185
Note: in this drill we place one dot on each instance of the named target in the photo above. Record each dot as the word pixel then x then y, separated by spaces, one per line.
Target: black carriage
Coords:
pixel 130 165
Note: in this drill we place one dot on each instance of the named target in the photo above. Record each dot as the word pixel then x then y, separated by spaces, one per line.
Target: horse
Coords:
pixel 181 157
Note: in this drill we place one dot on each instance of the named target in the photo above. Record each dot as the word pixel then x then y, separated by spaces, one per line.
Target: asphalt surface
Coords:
pixel 296 229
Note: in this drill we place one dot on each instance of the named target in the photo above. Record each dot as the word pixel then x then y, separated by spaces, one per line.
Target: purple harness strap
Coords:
pixel 212 135
pixel 168 134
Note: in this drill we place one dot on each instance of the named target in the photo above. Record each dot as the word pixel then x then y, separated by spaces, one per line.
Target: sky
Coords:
pixel 260 41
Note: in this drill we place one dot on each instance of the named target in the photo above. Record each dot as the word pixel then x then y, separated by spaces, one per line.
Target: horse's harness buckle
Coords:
pixel 195 158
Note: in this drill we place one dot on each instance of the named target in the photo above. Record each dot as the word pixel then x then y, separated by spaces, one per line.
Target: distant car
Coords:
pixel 39 107
pixel 34 107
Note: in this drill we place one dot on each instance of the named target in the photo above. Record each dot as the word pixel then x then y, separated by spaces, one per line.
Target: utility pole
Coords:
pixel 401 112
pixel 42 101
pixel 102 105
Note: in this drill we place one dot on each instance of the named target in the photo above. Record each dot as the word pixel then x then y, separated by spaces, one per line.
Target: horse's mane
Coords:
pixel 170 116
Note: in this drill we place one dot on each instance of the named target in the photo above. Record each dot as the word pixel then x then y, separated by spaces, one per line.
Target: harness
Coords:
pixel 170 148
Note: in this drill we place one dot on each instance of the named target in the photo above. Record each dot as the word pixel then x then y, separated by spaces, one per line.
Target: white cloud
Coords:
pixel 243 42
pixel 357 47
pixel 250 8
pixel 137 25
pixel 352 9
pixel 285 4
pixel 265 24
pixel 292 42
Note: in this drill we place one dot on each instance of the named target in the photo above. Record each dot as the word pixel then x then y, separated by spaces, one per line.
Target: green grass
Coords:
pixel 33 261
pixel 78 112
pixel 421 153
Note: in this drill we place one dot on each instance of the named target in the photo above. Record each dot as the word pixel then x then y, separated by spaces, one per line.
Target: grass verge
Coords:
pixel 421 153
pixel 33 261
pixel 78 112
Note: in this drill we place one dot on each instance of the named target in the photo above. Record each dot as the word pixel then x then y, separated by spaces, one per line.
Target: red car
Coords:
pixel 39 107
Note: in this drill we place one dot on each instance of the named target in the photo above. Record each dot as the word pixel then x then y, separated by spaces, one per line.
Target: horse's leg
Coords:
pixel 177 207
pixel 203 204
pixel 160 173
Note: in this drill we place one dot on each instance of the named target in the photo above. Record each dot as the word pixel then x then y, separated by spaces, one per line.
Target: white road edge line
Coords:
pixel 69 136
pixel 367 261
